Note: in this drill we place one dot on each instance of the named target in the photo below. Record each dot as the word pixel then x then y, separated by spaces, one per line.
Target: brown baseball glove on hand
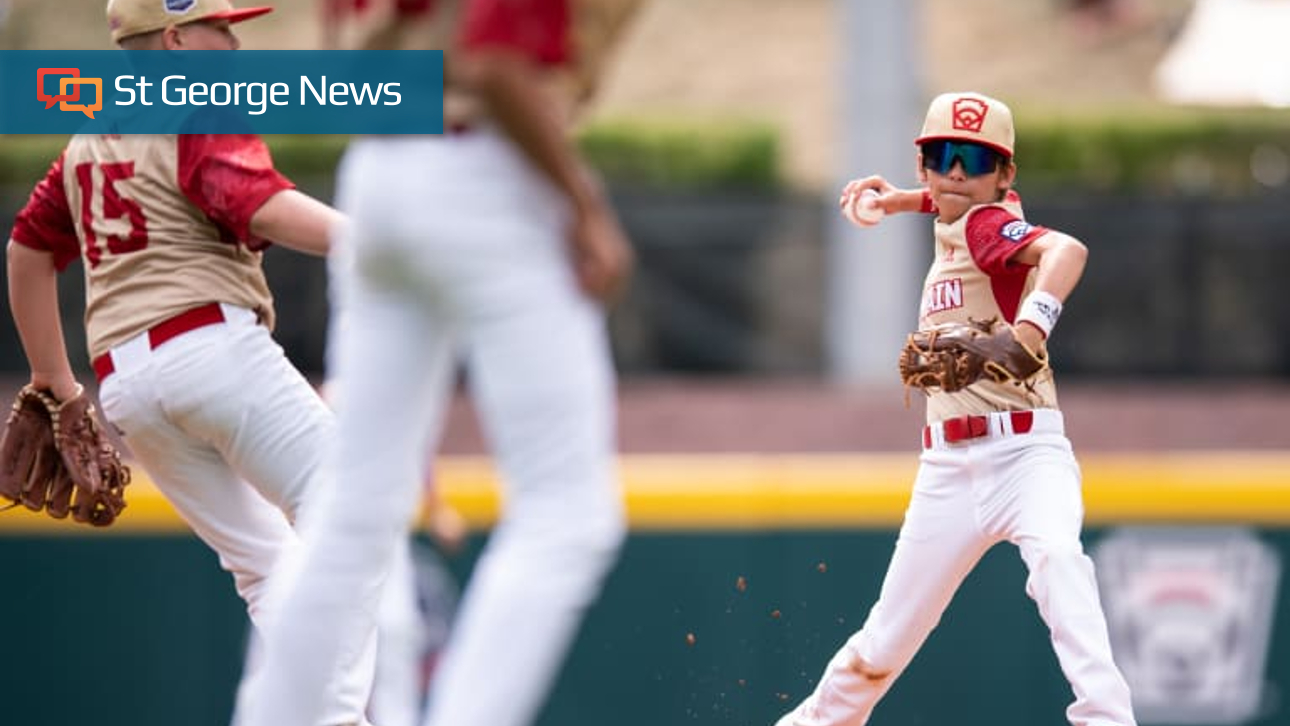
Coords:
pixel 54 457
pixel 953 356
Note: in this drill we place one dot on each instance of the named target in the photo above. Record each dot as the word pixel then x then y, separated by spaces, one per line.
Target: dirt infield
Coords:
pixel 687 415
pixel 776 416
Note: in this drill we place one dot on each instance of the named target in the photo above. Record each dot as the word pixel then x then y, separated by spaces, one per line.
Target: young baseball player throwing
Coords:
pixel 170 229
pixel 996 464
pixel 495 239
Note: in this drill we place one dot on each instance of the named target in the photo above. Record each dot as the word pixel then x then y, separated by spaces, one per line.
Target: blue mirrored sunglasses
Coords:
pixel 939 156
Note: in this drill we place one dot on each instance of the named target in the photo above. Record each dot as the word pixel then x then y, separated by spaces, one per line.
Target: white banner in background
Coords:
pixel 1229 53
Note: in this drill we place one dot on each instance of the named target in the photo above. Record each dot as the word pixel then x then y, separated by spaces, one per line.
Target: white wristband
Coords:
pixel 1040 309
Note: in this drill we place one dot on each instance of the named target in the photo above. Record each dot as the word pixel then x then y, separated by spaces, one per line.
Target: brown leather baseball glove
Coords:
pixel 953 356
pixel 55 457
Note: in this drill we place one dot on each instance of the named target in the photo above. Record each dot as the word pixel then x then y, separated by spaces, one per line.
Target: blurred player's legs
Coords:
pixel 551 427
pixel 459 240
pixel 397 694
pixel 541 380
pixel 416 615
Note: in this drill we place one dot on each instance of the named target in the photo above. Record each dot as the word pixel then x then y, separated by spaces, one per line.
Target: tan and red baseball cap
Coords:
pixel 969 116
pixel 133 17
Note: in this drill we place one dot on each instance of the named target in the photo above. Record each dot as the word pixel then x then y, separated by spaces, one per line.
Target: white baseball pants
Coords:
pixel 231 433
pixel 967 497
pixel 457 241
pixel 396 690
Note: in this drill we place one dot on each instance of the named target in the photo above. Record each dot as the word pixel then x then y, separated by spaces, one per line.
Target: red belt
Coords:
pixel 974 427
pixel 199 317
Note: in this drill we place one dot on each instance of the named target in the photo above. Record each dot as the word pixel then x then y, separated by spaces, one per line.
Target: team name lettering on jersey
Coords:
pixel 943 295
pixel 1016 230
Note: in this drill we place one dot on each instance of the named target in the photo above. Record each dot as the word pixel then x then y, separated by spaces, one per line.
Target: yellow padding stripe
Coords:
pixel 750 491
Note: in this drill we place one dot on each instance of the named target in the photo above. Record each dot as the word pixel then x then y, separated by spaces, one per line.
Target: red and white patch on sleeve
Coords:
pixel 994 235
pixel 1016 230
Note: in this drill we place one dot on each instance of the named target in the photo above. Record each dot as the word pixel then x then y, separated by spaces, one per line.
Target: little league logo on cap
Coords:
pixel 135 17
pixel 968 114
pixel 969 117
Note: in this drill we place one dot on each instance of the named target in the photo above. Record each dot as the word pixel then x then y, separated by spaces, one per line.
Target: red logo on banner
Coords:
pixel 49 100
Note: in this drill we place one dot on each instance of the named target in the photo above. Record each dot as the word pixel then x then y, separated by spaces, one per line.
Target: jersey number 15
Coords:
pixel 114 207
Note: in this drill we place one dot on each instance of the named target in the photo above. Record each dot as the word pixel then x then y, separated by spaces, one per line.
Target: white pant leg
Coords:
pixel 1042 477
pixel 458 234
pixel 248 534
pixel 390 356
pixel 193 410
pixel 939 544
pixel 271 426
pixel 396 692
pixel 485 236
pixel 543 383
pixel 231 387
pixel 228 429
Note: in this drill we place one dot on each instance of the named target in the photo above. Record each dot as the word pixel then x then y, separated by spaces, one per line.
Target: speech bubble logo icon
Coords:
pixel 87 108
pixel 51 100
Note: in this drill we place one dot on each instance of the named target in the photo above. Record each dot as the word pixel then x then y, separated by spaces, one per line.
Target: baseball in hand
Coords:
pixel 863 209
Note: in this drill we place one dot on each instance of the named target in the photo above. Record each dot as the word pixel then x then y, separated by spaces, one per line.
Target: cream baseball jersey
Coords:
pixel 162 224
pixel 571 39
pixel 974 277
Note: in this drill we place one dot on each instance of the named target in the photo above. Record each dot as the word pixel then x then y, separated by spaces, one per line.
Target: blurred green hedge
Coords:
pixel 654 154
pixel 1157 151
pixel 685 155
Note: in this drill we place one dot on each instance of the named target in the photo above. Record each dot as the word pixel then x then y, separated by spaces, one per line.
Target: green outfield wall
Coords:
pixel 741 577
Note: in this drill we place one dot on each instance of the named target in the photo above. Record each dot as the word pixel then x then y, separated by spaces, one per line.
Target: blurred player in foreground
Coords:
pixel 415 615
pixel 495 238
pixel 178 315
pixel 996 464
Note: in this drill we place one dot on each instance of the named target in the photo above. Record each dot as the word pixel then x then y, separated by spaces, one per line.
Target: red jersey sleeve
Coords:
pixel 994 235
pixel 45 224
pixel 229 177
pixel 928 206
pixel 538 29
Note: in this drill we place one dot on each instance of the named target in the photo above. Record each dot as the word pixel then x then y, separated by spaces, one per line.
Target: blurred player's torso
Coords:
pixel 571 39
